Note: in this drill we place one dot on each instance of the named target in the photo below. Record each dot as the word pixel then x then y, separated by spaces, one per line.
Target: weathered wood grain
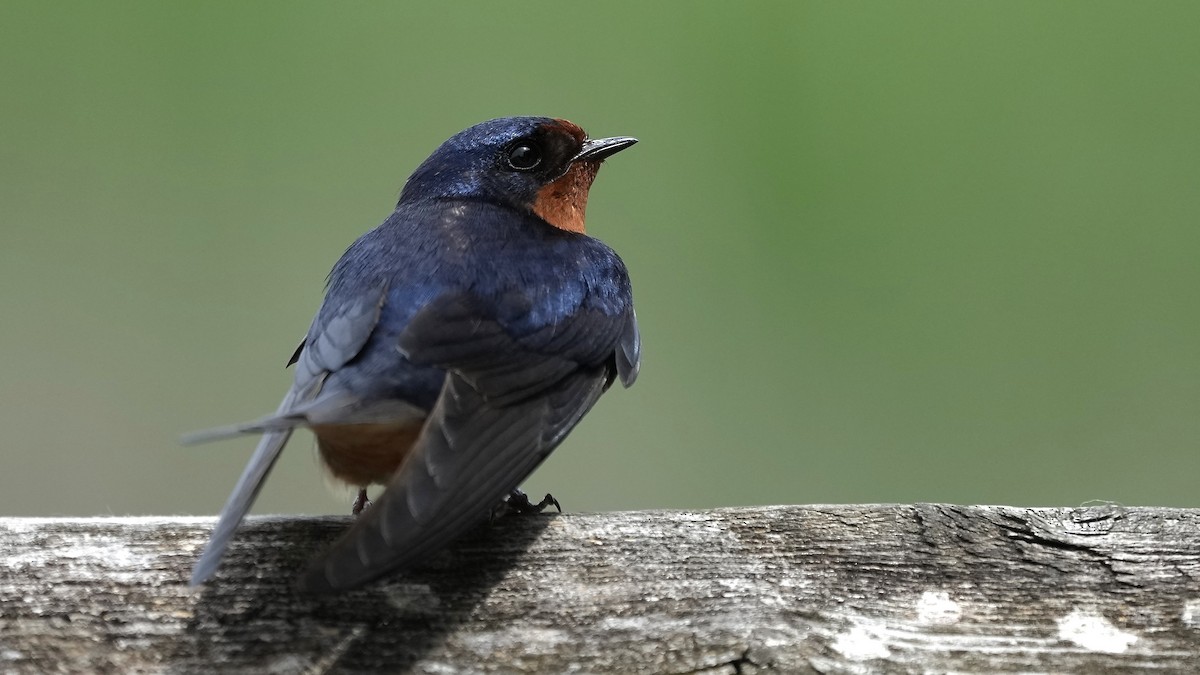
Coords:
pixel 793 589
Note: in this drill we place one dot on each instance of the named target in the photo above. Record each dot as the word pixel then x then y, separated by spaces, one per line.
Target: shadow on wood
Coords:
pixel 252 612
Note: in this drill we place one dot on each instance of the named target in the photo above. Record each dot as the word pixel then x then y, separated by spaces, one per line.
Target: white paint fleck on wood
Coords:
pixel 863 641
pixel 1090 630
pixel 1191 613
pixel 937 608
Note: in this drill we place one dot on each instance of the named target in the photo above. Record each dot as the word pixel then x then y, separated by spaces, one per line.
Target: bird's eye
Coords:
pixel 524 157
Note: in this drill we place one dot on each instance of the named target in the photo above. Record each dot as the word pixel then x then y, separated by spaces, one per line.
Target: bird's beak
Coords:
pixel 596 149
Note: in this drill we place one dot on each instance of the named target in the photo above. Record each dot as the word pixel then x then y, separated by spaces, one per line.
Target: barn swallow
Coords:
pixel 457 345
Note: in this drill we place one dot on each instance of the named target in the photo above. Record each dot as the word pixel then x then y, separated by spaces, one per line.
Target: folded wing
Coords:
pixel 512 394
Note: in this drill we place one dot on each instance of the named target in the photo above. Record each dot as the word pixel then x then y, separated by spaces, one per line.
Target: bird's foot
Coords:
pixel 360 502
pixel 518 503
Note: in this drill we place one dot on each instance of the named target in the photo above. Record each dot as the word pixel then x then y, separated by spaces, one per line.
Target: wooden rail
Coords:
pixel 792 589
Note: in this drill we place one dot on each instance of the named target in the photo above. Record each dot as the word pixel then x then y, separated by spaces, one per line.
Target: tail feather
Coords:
pixel 248 486
pixel 271 424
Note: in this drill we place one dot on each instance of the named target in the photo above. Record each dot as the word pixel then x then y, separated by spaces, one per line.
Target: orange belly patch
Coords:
pixel 363 454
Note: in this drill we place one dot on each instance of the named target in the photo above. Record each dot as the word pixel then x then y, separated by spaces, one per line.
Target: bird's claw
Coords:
pixel 360 502
pixel 518 503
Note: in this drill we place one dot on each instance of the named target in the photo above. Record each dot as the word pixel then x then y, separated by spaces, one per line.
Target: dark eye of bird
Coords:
pixel 524 156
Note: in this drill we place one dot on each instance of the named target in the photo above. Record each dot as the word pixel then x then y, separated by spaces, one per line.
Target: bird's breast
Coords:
pixel 366 454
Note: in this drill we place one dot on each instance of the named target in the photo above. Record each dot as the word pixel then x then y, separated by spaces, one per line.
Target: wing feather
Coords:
pixel 454 480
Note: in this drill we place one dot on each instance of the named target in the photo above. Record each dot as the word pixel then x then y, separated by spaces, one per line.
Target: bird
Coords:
pixel 458 343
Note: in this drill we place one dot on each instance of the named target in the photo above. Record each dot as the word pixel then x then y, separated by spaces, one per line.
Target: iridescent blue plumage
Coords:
pixel 464 166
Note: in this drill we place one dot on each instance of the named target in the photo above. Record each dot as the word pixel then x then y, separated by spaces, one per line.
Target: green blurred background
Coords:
pixel 921 251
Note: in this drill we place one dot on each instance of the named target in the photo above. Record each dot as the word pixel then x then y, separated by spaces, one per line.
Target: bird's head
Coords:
pixel 536 164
